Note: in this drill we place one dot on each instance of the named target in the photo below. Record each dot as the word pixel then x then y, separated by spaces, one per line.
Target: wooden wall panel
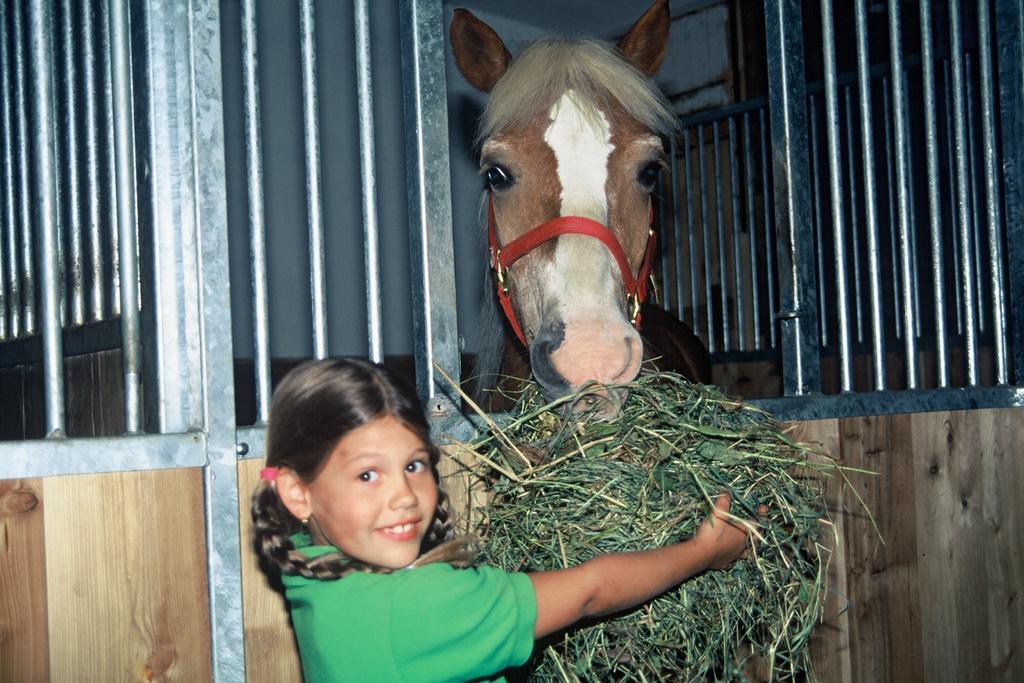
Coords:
pixel 271 655
pixel 126 577
pixel 882 580
pixel 830 643
pixel 23 628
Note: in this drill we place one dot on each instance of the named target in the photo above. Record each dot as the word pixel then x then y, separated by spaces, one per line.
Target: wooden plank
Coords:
pixel 80 406
pixel 882 581
pixel 126 577
pixel 1002 433
pixel 829 645
pixel 109 413
pixel 271 654
pixel 23 628
pixel 12 403
pixel 967 478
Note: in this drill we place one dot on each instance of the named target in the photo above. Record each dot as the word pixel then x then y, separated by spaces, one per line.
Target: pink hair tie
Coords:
pixel 269 473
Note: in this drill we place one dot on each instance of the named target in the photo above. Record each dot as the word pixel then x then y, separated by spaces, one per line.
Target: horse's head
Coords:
pixel 571 129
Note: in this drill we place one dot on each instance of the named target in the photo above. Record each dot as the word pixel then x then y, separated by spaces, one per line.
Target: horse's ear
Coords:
pixel 646 42
pixel 479 52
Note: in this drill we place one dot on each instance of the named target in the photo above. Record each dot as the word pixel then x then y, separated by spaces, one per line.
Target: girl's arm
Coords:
pixel 616 582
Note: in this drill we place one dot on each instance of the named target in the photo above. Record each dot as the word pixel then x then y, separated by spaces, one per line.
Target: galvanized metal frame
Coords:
pixel 797 315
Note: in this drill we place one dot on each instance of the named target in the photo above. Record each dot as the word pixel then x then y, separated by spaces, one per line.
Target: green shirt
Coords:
pixel 431 623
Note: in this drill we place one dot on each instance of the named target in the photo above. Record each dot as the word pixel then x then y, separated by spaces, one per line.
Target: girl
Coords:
pixel 351 492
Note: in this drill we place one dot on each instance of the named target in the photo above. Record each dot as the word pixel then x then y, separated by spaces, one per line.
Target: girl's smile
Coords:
pixel 375 497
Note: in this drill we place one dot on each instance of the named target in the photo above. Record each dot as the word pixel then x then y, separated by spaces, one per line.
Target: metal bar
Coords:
pixel 220 476
pixel 870 199
pixel 9 217
pixel 91 161
pixel 44 160
pixel 890 162
pixel 139 453
pixel 663 209
pixel 858 306
pixel 792 408
pixel 769 252
pixel 257 228
pixel 1009 26
pixel 723 280
pixel 972 184
pixel 801 362
pixel 111 208
pixel 676 236
pixel 912 211
pixel 737 258
pixel 124 152
pixel 314 217
pixel 430 209
pixel 364 80
pixel 964 224
pixel 22 154
pixel 931 138
pixel 705 241
pixel 691 235
pixel 948 83
pixel 748 176
pixel 72 169
pixel 819 240
pixel 835 174
pixel 902 192
pixel 992 194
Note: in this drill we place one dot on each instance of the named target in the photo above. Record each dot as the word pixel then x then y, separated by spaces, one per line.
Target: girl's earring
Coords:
pixel 305 521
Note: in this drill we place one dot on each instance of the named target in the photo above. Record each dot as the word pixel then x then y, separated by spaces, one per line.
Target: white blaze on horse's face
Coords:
pixel 584 333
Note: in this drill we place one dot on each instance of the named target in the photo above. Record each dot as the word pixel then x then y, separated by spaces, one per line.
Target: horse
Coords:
pixel 571 147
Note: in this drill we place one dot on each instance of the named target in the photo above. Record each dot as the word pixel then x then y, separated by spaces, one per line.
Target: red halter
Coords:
pixel 503 257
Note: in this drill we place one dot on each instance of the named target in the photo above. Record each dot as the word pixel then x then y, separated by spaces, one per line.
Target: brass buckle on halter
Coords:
pixel 499 272
pixel 633 305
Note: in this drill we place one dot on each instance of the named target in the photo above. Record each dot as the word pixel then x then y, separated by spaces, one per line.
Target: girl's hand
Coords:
pixel 723 539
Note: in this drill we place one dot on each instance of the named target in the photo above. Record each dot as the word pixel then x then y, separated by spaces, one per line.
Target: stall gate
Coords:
pixel 116 360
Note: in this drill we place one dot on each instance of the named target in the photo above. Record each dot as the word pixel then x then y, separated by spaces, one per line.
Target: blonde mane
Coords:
pixel 595 71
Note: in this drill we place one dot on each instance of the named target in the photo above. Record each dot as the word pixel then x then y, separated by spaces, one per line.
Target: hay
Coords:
pixel 564 489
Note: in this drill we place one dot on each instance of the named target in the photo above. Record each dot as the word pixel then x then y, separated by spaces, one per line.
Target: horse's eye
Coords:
pixel 499 178
pixel 648 175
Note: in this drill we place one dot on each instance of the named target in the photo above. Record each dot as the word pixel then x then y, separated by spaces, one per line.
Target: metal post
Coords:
pixel 870 199
pixel 364 81
pixel 44 158
pixel 819 240
pixel 787 98
pixel 962 199
pixel 906 267
pixel 931 137
pixel 91 161
pixel 851 171
pixel 948 101
pixel 435 327
pixel 992 194
pixel 124 151
pixel 690 235
pixel 21 166
pixel 835 174
pixel 111 210
pixel 220 476
pixel 72 169
pixel 9 217
pixel 734 177
pixel 705 240
pixel 314 216
pixel 748 174
pixel 768 208
pixel 723 280
pixel 257 229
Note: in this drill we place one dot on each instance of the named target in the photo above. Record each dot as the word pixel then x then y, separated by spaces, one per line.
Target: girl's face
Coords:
pixel 376 496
